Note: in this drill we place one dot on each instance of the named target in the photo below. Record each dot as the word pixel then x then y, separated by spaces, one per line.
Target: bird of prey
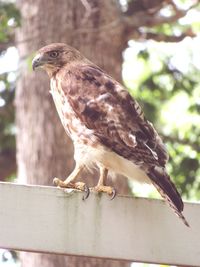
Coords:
pixel 107 126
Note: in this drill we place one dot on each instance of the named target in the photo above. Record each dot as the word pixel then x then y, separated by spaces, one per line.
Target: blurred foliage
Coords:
pixel 170 95
pixel 9 20
pixel 7 138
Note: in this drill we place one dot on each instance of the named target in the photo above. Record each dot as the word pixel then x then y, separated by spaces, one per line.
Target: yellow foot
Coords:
pixel 78 185
pixel 105 189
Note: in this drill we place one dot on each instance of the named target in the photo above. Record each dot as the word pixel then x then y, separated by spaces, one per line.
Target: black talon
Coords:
pixel 113 194
pixel 87 192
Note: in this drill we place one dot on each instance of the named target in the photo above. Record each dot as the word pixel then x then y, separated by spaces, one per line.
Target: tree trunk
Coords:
pixel 43 149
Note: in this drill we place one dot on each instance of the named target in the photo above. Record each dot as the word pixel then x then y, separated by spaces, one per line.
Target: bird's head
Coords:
pixel 54 56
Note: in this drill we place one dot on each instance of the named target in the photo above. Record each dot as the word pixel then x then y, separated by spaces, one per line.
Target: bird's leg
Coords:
pixel 101 187
pixel 69 182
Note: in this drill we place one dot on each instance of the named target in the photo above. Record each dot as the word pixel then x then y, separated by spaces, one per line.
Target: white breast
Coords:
pixel 92 152
pixel 99 154
pixel 77 131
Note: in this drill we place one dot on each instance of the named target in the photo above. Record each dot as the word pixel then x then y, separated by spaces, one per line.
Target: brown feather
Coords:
pixel 115 118
pixel 119 123
pixel 95 109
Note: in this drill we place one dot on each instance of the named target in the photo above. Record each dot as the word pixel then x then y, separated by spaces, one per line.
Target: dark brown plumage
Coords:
pixel 105 122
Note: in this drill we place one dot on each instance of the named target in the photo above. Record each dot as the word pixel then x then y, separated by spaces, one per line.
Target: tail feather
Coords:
pixel 167 190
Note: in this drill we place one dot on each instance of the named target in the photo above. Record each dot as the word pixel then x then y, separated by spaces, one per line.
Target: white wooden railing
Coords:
pixel 48 219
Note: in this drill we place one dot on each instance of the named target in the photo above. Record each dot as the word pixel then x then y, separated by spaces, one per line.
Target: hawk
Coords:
pixel 107 126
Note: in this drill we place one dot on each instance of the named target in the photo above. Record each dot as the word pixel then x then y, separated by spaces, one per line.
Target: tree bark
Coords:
pixel 43 149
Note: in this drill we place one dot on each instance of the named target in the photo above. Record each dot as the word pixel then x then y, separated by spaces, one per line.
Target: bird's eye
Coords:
pixel 53 54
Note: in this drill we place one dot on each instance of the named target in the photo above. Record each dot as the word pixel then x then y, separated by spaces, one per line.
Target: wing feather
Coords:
pixel 116 119
pixel 106 108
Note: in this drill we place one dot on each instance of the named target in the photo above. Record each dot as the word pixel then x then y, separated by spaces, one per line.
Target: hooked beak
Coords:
pixel 38 61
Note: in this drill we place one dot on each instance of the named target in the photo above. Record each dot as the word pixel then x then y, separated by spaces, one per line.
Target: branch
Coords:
pixel 146 19
pixel 142 19
pixel 160 37
pixel 136 6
